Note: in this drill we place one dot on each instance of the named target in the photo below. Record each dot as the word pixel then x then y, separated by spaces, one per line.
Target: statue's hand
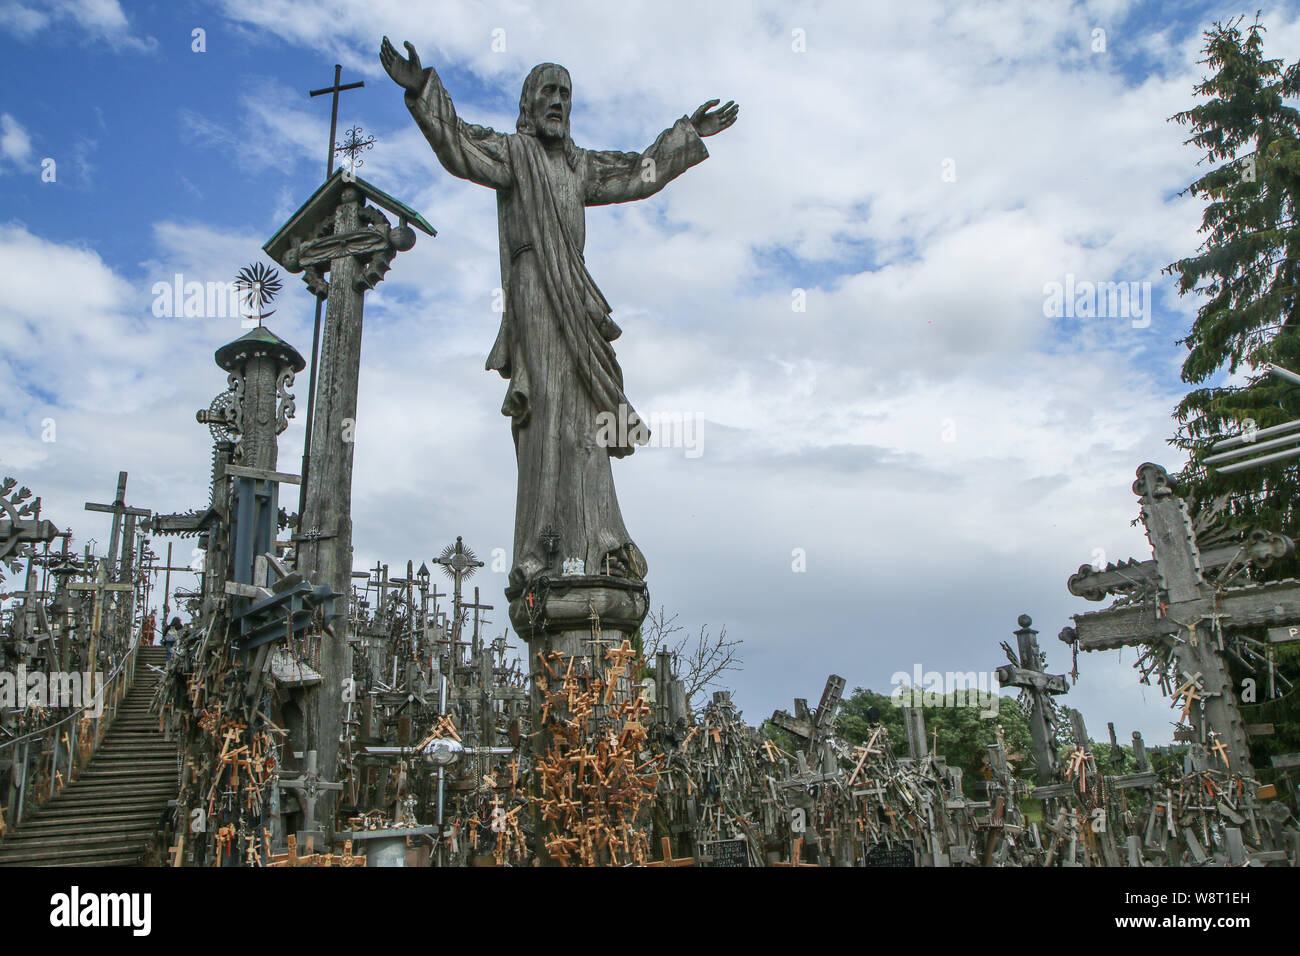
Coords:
pixel 407 74
pixel 709 123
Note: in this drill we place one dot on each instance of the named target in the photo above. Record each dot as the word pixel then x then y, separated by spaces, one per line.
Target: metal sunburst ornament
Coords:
pixel 458 559
pixel 258 286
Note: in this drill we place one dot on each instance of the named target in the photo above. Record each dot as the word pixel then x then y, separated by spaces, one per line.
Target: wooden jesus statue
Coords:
pixel 565 385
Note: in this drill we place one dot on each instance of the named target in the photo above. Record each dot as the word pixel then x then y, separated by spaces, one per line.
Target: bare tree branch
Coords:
pixel 700 663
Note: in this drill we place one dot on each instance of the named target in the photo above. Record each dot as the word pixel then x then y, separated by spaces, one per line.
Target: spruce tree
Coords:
pixel 1248 273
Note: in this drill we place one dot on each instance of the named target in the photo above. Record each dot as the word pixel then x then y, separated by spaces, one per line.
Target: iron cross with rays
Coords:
pixel 353 144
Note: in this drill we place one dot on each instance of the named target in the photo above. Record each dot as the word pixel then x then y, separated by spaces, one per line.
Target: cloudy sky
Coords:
pixel 936 452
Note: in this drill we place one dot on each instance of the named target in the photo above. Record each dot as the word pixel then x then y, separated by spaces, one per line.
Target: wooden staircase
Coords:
pixel 109 814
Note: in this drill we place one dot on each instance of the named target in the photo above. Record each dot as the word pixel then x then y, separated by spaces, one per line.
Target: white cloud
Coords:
pixel 15 144
pixel 825 429
pixel 92 20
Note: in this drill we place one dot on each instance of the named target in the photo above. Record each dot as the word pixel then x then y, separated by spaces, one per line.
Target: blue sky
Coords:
pixel 943 453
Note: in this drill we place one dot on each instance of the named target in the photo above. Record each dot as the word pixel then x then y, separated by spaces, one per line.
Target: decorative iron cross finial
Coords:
pixel 353 144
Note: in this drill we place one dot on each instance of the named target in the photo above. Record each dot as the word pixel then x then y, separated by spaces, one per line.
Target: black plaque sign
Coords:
pixel 726 853
pixel 885 854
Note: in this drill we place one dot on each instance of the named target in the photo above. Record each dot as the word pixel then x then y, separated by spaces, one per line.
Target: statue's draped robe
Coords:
pixel 554 343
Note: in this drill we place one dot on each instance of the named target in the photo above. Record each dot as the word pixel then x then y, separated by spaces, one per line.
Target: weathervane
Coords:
pixel 354 144
pixel 258 285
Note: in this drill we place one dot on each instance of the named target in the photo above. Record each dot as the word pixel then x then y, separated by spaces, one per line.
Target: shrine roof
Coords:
pixel 322 203
pixel 261 339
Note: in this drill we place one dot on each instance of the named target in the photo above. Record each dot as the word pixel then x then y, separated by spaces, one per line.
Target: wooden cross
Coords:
pixel 1195 608
pixel 1222 751
pixel 796 855
pixel 667 858
pixel 100 586
pixel 120 510
pixel 1040 687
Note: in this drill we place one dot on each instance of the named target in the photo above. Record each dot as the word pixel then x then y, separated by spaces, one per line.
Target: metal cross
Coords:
pixel 334 90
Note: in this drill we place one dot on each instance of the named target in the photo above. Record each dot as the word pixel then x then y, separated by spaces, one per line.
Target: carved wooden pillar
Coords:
pixel 337 233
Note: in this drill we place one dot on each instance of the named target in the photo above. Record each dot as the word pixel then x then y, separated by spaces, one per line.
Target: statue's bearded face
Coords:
pixel 549 105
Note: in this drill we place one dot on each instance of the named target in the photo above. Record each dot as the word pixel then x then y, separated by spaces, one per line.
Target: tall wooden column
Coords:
pixel 338 233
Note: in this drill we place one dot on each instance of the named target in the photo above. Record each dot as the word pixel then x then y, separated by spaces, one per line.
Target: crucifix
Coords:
pixel 308 784
pixel 1188 616
pixel 1026 672
pixel 458 562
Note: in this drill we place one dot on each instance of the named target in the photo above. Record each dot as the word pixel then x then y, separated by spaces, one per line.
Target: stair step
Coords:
pixel 113 789
pixel 117 759
pixel 74 816
pixel 108 789
pixel 143 768
pixel 40 824
pixel 124 799
pixel 92 856
pixel 106 861
pixel 77 839
pixel 98 789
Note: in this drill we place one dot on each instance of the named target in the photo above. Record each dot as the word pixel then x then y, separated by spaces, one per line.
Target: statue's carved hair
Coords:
pixel 525 123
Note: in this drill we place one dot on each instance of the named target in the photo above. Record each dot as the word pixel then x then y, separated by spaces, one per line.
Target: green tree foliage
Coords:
pixel 963 733
pixel 1247 271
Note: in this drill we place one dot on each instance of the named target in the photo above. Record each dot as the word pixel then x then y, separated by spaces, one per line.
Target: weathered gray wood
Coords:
pixel 1186 619
pixel 1040 687
pixel 263 474
pixel 1284 635
pixel 1260 548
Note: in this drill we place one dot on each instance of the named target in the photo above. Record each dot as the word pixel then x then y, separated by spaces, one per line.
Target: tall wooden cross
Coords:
pixel 1189 617
pixel 1028 675
pixel 124 535
pixel 343 244
pixel 334 92
pixel 100 586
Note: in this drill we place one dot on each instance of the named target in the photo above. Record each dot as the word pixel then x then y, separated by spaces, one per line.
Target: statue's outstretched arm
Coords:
pixel 613 176
pixel 476 153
